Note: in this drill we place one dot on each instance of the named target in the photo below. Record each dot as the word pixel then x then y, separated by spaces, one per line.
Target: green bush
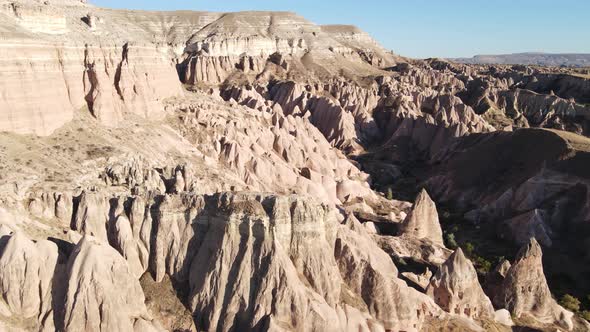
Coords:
pixel 483 265
pixel 469 248
pixel 451 242
pixel 389 194
pixel 585 314
pixel 570 303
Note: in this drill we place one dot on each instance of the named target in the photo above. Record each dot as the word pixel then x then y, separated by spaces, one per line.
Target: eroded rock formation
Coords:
pixel 217 171
pixel 525 291
pixel 455 287
pixel 422 222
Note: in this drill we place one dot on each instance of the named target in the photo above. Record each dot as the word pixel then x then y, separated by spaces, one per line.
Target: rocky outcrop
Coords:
pixel 26 273
pixel 92 215
pixel 271 151
pixel 232 201
pixel 135 173
pixel 455 287
pixel 360 260
pixel 422 250
pixel 494 283
pixel 216 53
pixel 46 205
pixel 422 222
pixel 526 293
pixel 239 235
pixel 102 293
pixel 53 65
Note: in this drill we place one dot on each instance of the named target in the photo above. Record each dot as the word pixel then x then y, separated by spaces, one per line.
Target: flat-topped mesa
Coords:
pixel 352 36
pixel 116 62
pixel 47 2
pixel 254 34
pixel 422 222
pixel 248 41
pixel 526 293
pixel 455 287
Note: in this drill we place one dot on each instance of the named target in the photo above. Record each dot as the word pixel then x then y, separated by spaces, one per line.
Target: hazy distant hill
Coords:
pixel 542 59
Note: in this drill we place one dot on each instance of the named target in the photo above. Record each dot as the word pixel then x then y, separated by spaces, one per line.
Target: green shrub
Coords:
pixel 389 194
pixel 469 248
pixel 585 314
pixel 483 265
pixel 451 242
pixel 570 303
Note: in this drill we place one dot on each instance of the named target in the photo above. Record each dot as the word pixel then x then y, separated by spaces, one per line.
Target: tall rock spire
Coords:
pixel 456 289
pixel 525 289
pixel 422 222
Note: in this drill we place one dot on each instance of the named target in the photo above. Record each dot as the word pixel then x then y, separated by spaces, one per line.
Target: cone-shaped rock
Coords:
pixel 526 293
pixel 422 222
pixel 456 289
pixel 102 292
pixel 26 270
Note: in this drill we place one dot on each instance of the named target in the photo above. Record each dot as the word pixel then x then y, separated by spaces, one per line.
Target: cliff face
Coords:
pixel 58 58
pixel 195 170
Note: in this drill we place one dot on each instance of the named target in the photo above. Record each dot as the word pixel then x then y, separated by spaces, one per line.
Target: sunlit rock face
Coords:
pixel 165 171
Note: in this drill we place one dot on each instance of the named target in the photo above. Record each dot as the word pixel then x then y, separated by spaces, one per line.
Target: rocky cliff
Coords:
pixel 246 171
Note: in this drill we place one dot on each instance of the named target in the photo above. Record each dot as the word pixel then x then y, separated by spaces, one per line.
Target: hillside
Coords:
pixel 537 59
pixel 254 171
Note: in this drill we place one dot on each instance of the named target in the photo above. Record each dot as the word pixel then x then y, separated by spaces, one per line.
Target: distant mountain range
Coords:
pixel 541 59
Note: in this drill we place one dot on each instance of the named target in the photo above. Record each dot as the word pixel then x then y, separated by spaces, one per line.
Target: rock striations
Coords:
pixel 422 222
pixel 455 287
pixel 525 291
pixel 165 171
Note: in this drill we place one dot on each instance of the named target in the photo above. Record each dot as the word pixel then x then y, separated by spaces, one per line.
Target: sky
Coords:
pixel 428 28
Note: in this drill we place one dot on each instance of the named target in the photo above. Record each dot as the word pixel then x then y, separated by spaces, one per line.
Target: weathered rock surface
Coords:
pixel 455 287
pixel 26 270
pixel 102 293
pixel 526 293
pixel 422 222
pixel 234 200
pixel 359 258
pixel 91 215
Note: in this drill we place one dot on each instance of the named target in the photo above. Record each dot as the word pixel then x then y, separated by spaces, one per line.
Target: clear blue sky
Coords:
pixel 428 28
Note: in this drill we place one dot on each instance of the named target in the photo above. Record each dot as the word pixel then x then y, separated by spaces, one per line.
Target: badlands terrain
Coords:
pixel 194 171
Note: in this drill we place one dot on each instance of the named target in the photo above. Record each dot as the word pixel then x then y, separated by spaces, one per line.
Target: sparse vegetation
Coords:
pixel 389 194
pixel 483 266
pixel 570 303
pixel 450 241
pixel 95 151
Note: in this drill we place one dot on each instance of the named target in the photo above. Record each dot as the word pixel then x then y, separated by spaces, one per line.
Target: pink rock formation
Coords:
pixel 422 222
pixel 526 293
pixel 455 287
